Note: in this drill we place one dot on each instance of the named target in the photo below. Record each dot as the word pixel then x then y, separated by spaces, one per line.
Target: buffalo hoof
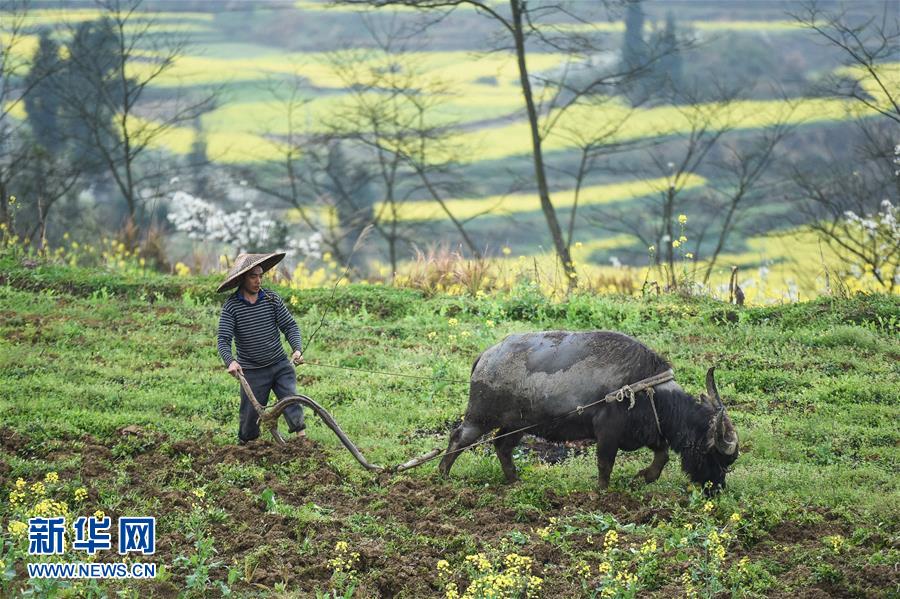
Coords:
pixel 648 475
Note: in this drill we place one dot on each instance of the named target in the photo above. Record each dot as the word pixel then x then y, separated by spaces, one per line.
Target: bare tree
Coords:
pixel 677 163
pixel 393 115
pixel 47 178
pixel 740 179
pixel 523 26
pixel 313 176
pixel 852 204
pixel 595 144
pixel 870 48
pixel 105 94
pixel 14 88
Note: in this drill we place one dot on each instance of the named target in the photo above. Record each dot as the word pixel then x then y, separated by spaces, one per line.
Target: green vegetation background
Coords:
pixel 812 389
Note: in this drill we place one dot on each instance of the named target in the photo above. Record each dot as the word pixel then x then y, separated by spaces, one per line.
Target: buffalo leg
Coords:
pixel 504 447
pixel 660 459
pixel 462 436
pixel 606 426
pixel 606 457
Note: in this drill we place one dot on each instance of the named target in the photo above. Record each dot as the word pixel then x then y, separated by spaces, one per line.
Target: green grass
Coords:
pixel 811 388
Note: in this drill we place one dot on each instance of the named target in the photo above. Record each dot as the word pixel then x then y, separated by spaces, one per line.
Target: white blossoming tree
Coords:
pixel 247 229
pixel 851 199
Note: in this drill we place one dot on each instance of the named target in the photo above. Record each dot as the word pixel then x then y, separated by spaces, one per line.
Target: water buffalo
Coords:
pixel 537 378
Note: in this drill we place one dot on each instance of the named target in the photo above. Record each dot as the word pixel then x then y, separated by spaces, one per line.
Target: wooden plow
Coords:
pixel 268 418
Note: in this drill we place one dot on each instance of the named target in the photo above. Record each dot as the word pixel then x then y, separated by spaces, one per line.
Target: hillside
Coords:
pixel 280 74
pixel 112 382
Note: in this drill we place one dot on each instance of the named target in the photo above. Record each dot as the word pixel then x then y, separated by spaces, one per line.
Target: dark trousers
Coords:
pixel 281 378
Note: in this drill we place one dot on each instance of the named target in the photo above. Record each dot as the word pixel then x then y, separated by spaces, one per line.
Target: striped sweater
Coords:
pixel 254 328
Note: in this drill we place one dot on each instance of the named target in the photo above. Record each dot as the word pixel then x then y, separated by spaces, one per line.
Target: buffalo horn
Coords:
pixel 711 389
pixel 726 439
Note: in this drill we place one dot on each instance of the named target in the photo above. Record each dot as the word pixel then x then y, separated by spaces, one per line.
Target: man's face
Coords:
pixel 253 279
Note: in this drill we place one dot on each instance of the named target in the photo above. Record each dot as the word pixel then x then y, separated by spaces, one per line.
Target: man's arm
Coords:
pixel 288 326
pixel 226 334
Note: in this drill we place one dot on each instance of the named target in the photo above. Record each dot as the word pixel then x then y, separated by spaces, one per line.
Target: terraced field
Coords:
pixel 483 111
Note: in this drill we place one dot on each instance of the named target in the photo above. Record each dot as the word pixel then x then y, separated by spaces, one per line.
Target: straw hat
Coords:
pixel 247 262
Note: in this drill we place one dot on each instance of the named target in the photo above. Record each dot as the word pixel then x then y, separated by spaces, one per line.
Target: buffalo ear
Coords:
pixel 726 436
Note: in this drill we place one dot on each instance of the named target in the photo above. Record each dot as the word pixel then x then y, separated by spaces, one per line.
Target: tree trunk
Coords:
pixel 562 251
pixel 4 206
pixel 667 223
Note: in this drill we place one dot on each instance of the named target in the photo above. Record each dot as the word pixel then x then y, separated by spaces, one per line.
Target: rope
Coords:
pixel 397 374
pixel 619 395
pixel 646 384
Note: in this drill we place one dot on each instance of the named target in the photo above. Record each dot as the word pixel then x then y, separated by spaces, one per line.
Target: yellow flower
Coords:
pixel 431 335
pixel 16 497
pixel 649 547
pixel 38 489
pixel 489 323
pixel 682 239
pixel 182 269
pixel 604 568
pixel 609 542
pixel 480 561
pixel 451 592
pixel 836 542
pixel 451 337
pixel 682 218
pixel 676 244
pixel 651 249
pixel 99 515
pixel 735 518
pixel 578 244
pixel 506 251
pixel 81 494
pixel 16 528
pixel 452 322
pixel 708 506
pixel 51 478
pixel 689 255
pixel 464 334
pixel 20 483
pixel 200 493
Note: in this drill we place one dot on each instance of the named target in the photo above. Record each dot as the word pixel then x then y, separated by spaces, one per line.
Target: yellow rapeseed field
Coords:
pixel 504 205
pixel 502 141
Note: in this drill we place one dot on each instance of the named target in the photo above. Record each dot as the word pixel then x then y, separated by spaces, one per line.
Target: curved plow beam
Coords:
pixel 268 417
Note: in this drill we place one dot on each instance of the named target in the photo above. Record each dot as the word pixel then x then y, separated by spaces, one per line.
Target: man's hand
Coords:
pixel 297 358
pixel 234 368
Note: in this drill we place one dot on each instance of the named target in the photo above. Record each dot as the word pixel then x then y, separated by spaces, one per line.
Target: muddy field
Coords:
pixel 400 526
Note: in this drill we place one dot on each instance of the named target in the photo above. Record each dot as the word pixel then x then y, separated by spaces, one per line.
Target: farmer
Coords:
pixel 253 317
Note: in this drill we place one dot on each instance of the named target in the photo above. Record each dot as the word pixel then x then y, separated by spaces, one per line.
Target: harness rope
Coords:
pixel 629 391
pixel 619 395
pixel 397 374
